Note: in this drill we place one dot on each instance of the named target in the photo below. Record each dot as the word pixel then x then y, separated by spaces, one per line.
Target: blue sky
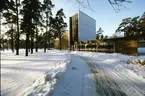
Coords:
pixel 104 14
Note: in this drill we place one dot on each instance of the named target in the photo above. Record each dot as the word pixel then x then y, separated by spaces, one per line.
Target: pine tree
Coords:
pixel 27 21
pixel 99 33
pixel 10 19
pixel 47 8
pixel 59 25
pixel 31 18
pixel 18 33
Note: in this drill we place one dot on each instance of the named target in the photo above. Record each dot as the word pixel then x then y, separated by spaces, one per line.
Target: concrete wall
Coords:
pixel 86 27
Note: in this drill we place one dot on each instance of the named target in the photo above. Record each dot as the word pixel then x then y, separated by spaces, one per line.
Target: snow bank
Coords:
pixel 129 77
pixel 36 74
pixel 133 64
pixel 45 85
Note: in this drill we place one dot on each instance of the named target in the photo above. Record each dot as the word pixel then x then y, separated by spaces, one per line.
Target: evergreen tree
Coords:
pixel 17 5
pixel 59 25
pixel 10 19
pixel 6 4
pixel 26 25
pixel 31 18
pixel 37 21
pixel 130 27
pixel 99 33
pixel 0 22
pixel 142 26
pixel 47 8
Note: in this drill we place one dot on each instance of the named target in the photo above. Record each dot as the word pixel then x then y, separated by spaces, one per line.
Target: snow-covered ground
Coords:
pixel 63 73
pixel 35 74
pixel 78 80
pixel 129 77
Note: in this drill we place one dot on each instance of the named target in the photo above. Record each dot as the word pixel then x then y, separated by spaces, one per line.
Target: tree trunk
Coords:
pixel 36 42
pixel 29 48
pixel 73 47
pixel 49 40
pixel 12 41
pixel 0 22
pixel 78 45
pixel 27 43
pixel 45 47
pixel 12 45
pixel 32 42
pixel 60 41
pixel 45 43
pixel 7 44
pixel 0 32
pixel 17 38
pixel 49 44
pixel 3 45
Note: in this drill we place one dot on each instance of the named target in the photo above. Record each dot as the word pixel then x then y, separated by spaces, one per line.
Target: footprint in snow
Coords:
pixel 74 68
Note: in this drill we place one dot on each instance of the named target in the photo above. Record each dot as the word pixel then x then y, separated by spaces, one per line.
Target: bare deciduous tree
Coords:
pixel 116 4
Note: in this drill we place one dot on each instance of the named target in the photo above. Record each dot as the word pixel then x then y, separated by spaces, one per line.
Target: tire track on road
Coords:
pixel 105 86
pixel 129 86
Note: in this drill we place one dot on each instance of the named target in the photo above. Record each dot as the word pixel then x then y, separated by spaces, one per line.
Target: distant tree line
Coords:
pixel 31 24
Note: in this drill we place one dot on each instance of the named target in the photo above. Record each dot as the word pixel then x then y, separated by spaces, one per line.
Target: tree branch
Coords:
pixel 116 4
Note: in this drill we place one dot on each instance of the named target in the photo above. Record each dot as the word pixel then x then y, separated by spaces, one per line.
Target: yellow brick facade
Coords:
pixel 65 41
